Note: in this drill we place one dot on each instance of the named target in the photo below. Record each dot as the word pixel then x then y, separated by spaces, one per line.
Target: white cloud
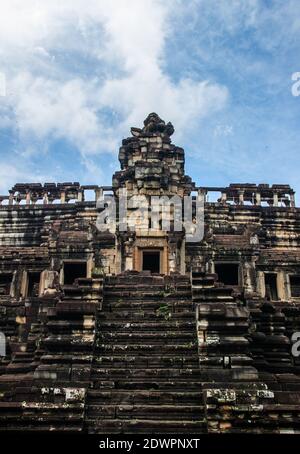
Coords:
pixel 223 130
pixel 59 109
pixel 123 44
pixel 13 172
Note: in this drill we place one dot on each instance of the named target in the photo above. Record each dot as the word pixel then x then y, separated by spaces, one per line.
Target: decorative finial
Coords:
pixel 153 124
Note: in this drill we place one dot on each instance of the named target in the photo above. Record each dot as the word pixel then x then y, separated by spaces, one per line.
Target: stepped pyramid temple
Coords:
pixel 116 319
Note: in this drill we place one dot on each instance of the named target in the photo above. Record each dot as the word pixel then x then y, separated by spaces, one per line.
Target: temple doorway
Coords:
pixel 151 261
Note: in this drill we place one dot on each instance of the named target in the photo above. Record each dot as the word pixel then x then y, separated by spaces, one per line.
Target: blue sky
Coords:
pixel 80 73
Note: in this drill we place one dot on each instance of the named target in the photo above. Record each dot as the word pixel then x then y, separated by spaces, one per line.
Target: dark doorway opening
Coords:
pixel 228 273
pixel 271 286
pixel 5 283
pixel 295 286
pixel 151 261
pixel 72 271
pixel 33 284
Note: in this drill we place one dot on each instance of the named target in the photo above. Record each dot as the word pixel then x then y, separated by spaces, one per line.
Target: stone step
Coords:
pixel 18 367
pixel 153 326
pixel 77 307
pixel 69 342
pixel 156 412
pixel 199 297
pixel 144 316
pixel 146 305
pixel 23 355
pixel 142 349
pixel 42 426
pixel 33 416
pixel 148 384
pixel 127 361
pixel 69 326
pixel 143 397
pixel 167 337
pixel 128 288
pixel 17 360
pixel 137 295
pixel 67 358
pixel 147 426
pixel 127 285
pixel 100 373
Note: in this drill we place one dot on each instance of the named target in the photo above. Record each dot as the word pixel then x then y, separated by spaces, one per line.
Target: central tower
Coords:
pixel 151 167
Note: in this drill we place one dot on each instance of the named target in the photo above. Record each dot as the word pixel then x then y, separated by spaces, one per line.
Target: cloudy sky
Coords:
pixel 79 73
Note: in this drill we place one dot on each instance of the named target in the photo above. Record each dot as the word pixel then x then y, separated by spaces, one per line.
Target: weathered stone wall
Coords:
pixel 234 371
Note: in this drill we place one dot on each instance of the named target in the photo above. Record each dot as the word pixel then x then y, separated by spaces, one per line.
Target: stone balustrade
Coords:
pixel 51 193
pixel 252 194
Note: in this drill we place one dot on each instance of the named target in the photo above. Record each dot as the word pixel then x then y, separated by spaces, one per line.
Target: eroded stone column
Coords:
pixel 45 199
pixel 261 288
pixel 63 197
pixel 223 197
pixel 98 193
pixel 281 290
pixel 182 258
pixel 247 280
pixel 258 198
pixel 241 197
pixel 202 193
pixel 80 196
pixel 48 283
pixel 292 199
pixel 11 198
pixel 28 197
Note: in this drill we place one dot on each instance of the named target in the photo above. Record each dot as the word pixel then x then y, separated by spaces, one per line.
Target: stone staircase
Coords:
pixel 246 368
pixel 223 325
pixel 154 354
pixel 145 373
pixel 44 386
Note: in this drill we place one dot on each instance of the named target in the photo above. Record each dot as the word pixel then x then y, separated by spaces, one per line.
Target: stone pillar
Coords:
pixel 171 257
pixel 210 266
pixel 202 193
pixel 281 290
pixel 275 199
pixel 11 198
pixel 28 197
pixel 223 197
pixel 98 193
pixel 128 263
pixel 80 195
pixel 258 198
pixel 14 285
pixel 292 199
pixel 288 286
pixel 261 288
pixel 182 258
pixel 89 266
pixel 118 257
pixel 45 199
pixel 24 284
pixel 241 197
pixel 61 275
pixel 246 273
pixel 165 261
pixel 48 283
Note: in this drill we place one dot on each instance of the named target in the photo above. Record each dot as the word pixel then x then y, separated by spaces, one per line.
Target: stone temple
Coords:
pixel 113 330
